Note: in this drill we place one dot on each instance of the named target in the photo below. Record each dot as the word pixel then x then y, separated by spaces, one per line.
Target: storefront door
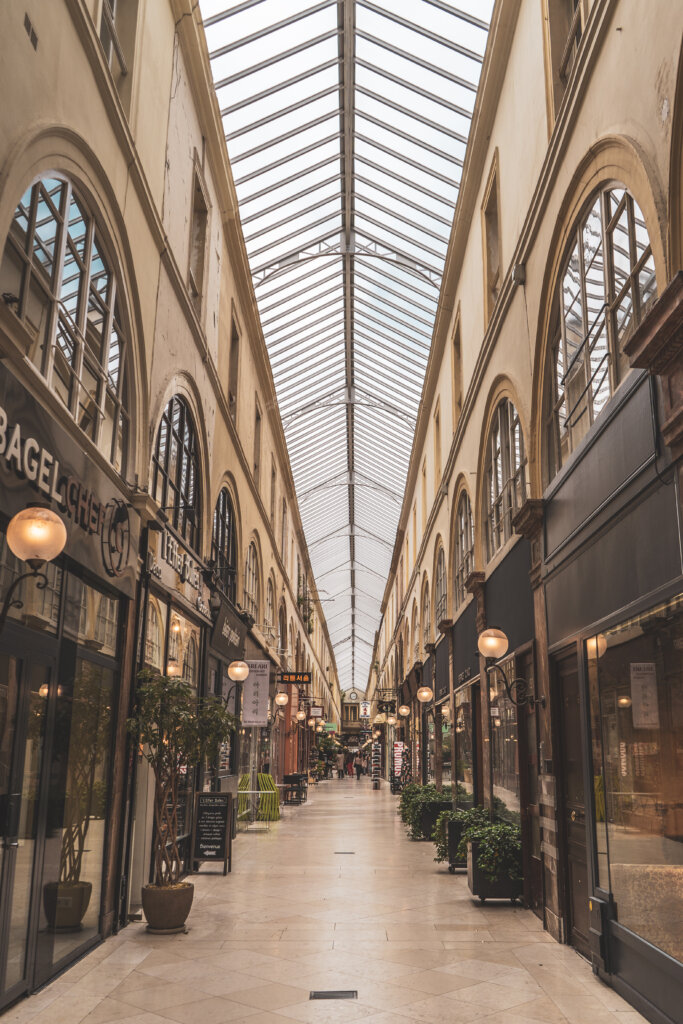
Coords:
pixel 56 718
pixel 573 807
pixel 24 683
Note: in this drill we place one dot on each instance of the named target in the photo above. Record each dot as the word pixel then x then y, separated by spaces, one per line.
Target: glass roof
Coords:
pixel 346 123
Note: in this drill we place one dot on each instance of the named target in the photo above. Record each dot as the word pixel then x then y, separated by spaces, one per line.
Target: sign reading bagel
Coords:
pixel 41 462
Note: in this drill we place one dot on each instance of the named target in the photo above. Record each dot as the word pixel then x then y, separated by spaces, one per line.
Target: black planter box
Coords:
pixel 455 829
pixel 481 886
pixel 429 813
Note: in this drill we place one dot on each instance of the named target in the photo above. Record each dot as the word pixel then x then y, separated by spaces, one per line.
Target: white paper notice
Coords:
pixel 645 706
pixel 255 691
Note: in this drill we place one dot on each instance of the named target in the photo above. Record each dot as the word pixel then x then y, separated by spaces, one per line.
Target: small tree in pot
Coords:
pixel 175 731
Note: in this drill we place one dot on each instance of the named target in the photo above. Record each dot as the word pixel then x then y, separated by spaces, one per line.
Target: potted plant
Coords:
pixel 175 731
pixel 85 718
pixel 494 860
pixel 448 831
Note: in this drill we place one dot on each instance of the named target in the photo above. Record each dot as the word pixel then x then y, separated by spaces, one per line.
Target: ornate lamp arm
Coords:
pixel 522 692
pixel 14 602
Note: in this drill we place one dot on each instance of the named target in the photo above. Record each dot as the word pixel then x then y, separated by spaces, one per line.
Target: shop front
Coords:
pixel 467 720
pixel 615 625
pixel 63 699
pixel 174 625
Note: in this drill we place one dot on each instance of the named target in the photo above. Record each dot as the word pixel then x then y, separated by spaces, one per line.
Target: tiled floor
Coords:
pixel 296 915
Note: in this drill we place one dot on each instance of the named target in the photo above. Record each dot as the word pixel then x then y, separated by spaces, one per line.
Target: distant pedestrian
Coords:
pixel 349 764
pixel 340 765
pixel 358 765
pixel 365 764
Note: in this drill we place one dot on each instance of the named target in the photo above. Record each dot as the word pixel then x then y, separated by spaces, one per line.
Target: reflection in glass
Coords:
pixel 504 747
pixel 636 694
pixel 79 790
pixel 464 745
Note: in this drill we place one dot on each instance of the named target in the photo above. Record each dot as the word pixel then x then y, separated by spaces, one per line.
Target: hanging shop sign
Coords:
pixel 317 712
pixel 41 462
pixel 296 678
pixel 255 694
pixel 229 633
pixel 330 726
pixel 177 568
pixel 365 709
pixel 212 829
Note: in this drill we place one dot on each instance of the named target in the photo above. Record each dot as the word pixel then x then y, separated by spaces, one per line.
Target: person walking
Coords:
pixel 358 765
pixel 340 764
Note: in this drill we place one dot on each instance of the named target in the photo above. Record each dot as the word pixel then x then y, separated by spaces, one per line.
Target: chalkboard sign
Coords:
pixel 213 828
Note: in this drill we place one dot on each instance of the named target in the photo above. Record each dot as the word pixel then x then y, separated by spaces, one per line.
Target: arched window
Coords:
pixel 504 475
pixel 176 470
pixel 58 280
pixel 426 617
pixel 223 544
pixel 440 593
pixel 251 583
pixel 464 547
pixel 270 609
pixel 607 284
pixel 106 623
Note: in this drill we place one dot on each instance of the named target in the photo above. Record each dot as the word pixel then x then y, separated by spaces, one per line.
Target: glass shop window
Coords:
pixel 464 745
pixel 635 673
pixel 155 634
pixel 183 649
pixel 504 747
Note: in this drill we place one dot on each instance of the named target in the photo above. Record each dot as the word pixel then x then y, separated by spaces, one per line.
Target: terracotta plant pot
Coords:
pixel 166 907
pixel 65 904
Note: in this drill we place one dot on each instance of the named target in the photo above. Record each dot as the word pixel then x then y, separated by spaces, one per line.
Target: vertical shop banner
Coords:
pixel 645 706
pixel 398 756
pixel 365 709
pixel 255 694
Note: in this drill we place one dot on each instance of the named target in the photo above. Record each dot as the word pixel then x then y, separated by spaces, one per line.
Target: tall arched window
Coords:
pixel 270 608
pixel 504 475
pixel 440 592
pixel 282 631
pixel 426 617
pixel 190 662
pixel 464 547
pixel 57 278
pixel 607 284
pixel 251 583
pixel 153 637
pixel 223 544
pixel 176 470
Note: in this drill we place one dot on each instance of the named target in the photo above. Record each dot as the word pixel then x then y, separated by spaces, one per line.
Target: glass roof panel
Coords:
pixel 346 123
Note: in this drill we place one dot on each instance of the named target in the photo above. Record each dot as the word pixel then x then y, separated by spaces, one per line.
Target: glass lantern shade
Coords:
pixel 238 671
pixel 596 646
pixel 424 694
pixel 36 535
pixel 492 643
pixel 281 699
pixel 404 710
pixel 301 715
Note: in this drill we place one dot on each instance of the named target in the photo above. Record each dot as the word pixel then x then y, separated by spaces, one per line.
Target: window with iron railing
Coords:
pixel 251 583
pixel 440 591
pixel 607 285
pixel 175 470
pixel 504 475
pixel 57 277
pixel 464 547
pixel 223 544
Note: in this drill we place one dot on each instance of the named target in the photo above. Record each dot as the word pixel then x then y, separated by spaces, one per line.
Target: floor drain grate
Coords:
pixel 344 853
pixel 341 994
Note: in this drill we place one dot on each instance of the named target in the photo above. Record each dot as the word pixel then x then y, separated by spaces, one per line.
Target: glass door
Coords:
pixel 24 687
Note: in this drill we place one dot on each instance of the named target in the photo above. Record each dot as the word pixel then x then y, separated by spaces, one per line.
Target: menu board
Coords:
pixel 212 828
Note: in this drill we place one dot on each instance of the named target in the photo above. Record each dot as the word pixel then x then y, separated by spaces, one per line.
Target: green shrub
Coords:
pixel 427 795
pixel 500 849
pixel 408 794
pixel 469 818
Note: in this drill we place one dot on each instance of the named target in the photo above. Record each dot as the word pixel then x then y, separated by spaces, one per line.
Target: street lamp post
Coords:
pixel 36 535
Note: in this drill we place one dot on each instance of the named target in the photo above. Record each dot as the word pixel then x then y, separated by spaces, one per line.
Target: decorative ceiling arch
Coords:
pixel 346 123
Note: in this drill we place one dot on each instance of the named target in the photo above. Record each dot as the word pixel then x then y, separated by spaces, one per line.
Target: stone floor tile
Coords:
pixel 293 917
